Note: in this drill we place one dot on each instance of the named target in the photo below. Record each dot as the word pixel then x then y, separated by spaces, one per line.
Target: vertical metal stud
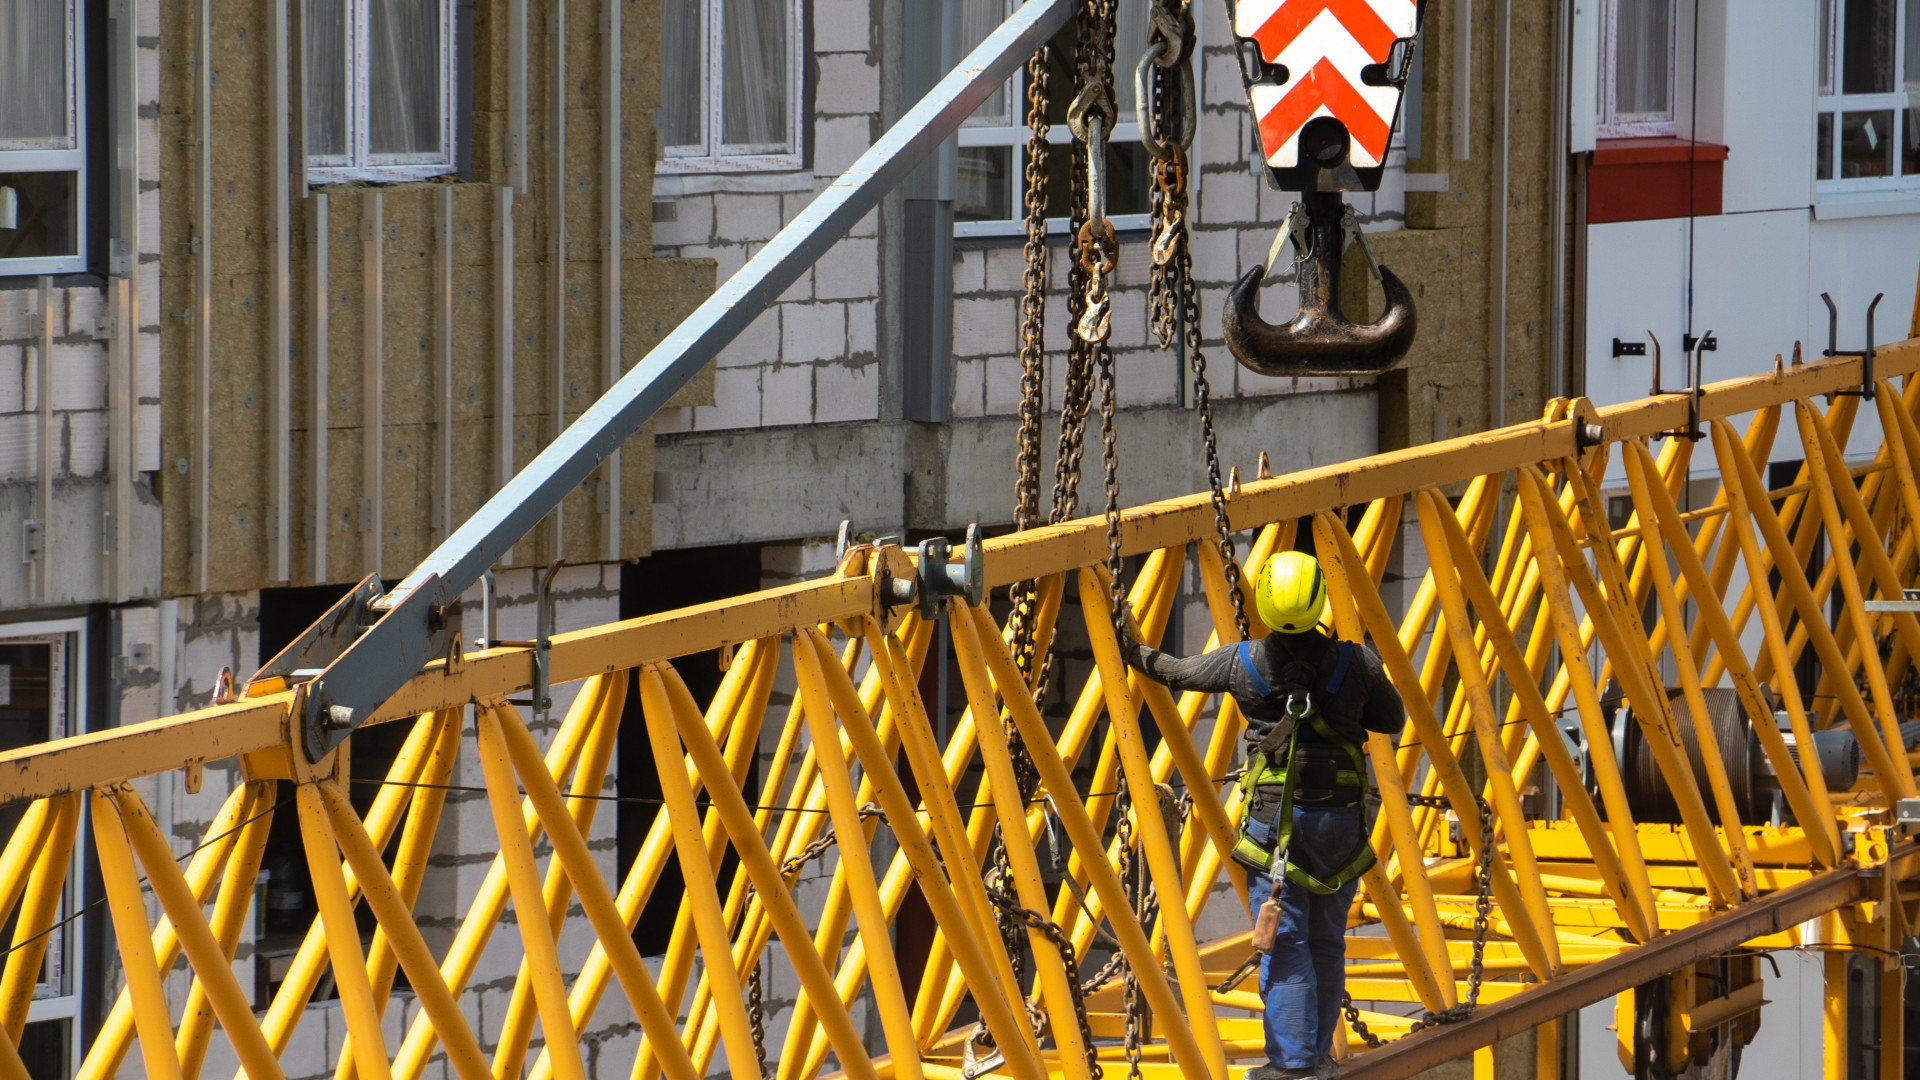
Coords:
pixel 372 380
pixel 611 367
pixel 1463 80
pixel 443 340
pixel 280 332
pixel 43 498
pixel 200 466
pixel 124 353
pixel 557 246
pixel 517 94
pixel 503 331
pixel 321 384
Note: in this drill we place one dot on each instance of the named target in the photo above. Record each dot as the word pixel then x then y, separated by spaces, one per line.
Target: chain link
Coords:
pixel 757 1016
pixel 1482 916
pixel 1030 919
pixel 1033 314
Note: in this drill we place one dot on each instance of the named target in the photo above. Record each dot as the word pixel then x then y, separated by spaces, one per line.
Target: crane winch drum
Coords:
pixel 1324 81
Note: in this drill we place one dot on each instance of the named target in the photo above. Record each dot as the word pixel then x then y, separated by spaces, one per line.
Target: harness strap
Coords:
pixel 1246 662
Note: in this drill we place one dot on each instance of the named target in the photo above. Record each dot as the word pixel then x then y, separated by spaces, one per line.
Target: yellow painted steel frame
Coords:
pixel 1538 615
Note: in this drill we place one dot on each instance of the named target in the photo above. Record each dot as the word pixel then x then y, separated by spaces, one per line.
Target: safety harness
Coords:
pixel 1264 838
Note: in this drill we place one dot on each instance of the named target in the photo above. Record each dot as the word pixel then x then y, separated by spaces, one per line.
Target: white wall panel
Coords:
pixel 1768 123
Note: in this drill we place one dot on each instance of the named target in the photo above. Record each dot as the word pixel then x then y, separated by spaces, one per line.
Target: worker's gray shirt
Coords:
pixel 1365 689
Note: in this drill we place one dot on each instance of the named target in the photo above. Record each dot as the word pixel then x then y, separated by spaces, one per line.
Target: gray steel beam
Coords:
pixel 412 627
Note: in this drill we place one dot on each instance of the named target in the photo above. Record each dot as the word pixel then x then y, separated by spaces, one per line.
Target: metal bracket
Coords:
pixel 1628 348
pixel 489 615
pixel 939 578
pixel 1865 354
pixel 543 644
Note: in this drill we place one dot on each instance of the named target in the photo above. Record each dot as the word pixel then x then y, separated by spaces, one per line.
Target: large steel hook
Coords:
pixel 1319 340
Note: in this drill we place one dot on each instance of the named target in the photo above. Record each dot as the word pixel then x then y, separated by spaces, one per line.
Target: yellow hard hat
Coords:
pixel 1291 592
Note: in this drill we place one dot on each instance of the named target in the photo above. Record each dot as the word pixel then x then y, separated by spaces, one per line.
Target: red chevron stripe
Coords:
pixel 1324 85
pixel 1292 17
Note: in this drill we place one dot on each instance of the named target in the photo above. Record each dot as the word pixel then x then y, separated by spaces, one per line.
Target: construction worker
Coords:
pixel 1309 700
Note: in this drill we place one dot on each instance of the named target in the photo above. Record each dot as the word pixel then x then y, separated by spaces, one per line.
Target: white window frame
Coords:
pixel 360 163
pixel 1833 104
pixel 712 156
pixel 1610 124
pixel 59 155
pixel 1013 132
pixel 69 640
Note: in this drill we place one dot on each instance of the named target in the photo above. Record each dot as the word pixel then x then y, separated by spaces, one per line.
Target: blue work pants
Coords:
pixel 1303 979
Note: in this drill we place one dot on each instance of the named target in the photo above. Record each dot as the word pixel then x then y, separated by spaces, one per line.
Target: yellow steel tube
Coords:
pixel 1546 741
pixel 1399 667
pixel 129 910
pixel 410 861
pixel 523 882
pixel 1894 782
pixel 1611 616
pixel 570 850
pixel 1429 943
pixel 1831 498
pixel 1162 862
pixel 758 863
pixel 603 696
pixel 1714 623
pixel 342 935
pixel 883 970
pixel 37 911
pixel 1705 738
pixel 229 915
pixel 1506 800
pixel 115 1037
pixel 974 645
pixel 22 849
pixel 394 914
pixel 211 965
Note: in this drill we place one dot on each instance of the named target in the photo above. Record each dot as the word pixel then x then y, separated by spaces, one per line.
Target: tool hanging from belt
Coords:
pixel 1324 81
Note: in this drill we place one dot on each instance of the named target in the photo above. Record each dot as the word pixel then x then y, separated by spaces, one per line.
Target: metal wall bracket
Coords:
pixel 543 644
pixel 1865 354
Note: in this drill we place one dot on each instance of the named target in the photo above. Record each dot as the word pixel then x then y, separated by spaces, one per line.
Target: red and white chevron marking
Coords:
pixel 1324 44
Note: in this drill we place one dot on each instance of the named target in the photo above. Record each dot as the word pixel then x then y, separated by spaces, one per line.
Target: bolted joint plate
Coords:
pixel 400 642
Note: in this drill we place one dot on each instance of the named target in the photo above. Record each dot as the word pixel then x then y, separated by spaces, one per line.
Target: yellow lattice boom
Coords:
pixel 1539 613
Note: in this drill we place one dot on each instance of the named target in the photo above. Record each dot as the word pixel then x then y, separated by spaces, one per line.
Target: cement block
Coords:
pixel 849 83
pixel 86 436
pixel 969 387
pixel 800 291
pixel 1146 376
pixel 983 327
pixel 846 392
pixel 787 394
pixel 842 25
pixel 1005 267
pixel 13 378
pixel 745 217
pixel 838 141
pixel 811 332
pixel 1002 385
pixel 969 272
pixel 758 344
pixel 736 400
pixel 79 374
pixel 862 329
pixel 850 270
pixel 1229 198
pixel 1129 324
pixel 19 449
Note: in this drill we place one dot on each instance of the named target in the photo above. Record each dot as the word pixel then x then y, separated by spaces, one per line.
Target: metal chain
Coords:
pixel 1482 916
pixel 1033 313
pixel 1051 930
pixel 757 1016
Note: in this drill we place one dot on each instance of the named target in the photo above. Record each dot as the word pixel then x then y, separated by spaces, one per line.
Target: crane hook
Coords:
pixel 1319 340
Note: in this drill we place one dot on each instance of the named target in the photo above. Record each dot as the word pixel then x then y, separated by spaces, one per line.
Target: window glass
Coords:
pixel 1866 45
pixel 326 74
pixel 978 18
pixel 754 90
pixel 34 77
pixel 45 219
pixel 1643 59
pixel 1866 144
pixel 683 74
pixel 984 188
pixel 1823 148
pixel 403 52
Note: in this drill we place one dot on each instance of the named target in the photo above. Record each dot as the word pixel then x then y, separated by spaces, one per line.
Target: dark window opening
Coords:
pixel 661 582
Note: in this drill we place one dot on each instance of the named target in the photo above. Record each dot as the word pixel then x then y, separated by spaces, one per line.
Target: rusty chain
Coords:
pixel 1047 928
pixel 1482 916
pixel 1033 314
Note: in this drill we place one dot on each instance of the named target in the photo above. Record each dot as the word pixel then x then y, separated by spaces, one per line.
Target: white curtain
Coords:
pixel 326 75
pixel 1129 41
pixel 978 18
pixel 404 81
pixel 1643 58
pixel 33 74
pixel 683 73
pixel 754 74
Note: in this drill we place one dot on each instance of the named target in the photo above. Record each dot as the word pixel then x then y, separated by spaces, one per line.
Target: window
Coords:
pixel 40 697
pixel 990 195
pixel 1866 130
pixel 42 142
pixel 730 94
pixel 1636 68
pixel 379 89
